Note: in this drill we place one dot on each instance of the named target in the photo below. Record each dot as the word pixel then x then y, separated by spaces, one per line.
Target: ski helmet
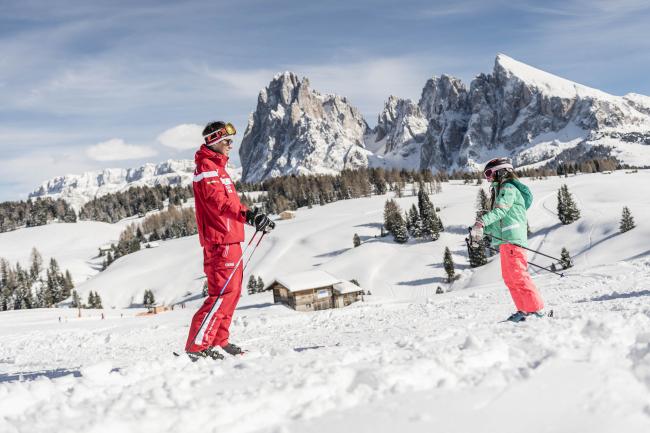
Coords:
pixel 495 167
pixel 215 132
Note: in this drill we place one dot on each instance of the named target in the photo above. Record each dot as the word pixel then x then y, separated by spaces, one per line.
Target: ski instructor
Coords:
pixel 220 218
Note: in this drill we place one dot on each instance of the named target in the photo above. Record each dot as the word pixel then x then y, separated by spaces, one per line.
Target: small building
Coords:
pixel 287 215
pixel 314 290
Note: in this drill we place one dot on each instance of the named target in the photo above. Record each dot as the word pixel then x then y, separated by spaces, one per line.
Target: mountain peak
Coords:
pixel 506 67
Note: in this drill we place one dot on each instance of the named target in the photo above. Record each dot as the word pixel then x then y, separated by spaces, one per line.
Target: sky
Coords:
pixel 91 85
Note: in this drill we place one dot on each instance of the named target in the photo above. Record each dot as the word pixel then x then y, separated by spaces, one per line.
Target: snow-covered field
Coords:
pixel 405 358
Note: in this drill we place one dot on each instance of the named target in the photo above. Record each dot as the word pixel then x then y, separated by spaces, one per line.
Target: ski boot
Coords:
pixel 517 317
pixel 233 349
pixel 210 352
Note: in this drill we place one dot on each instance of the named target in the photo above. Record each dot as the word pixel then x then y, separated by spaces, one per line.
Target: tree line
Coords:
pixel 34 287
pixel 175 222
pixel 30 213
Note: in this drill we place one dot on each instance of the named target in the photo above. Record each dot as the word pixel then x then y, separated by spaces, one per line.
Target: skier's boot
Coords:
pixel 232 349
pixel 517 317
pixel 210 352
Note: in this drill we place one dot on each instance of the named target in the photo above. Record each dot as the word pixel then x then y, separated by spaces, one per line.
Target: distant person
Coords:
pixel 220 219
pixel 507 223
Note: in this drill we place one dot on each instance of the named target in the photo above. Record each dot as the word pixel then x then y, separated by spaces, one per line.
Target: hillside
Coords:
pixel 404 356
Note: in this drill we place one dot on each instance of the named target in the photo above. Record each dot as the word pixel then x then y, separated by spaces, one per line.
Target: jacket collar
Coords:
pixel 205 153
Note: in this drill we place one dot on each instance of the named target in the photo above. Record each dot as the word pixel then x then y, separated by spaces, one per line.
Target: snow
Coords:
pixel 548 83
pixel 405 358
pixel 307 280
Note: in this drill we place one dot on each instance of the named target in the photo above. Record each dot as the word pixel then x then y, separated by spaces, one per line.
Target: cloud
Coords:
pixel 116 149
pixel 182 137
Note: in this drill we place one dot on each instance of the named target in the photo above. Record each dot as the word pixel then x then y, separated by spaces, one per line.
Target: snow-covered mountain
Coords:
pixel 78 189
pixel 296 130
pixel 517 110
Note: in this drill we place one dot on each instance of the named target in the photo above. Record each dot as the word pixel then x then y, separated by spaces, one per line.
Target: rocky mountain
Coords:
pixel 517 110
pixel 78 189
pixel 296 130
pixel 530 115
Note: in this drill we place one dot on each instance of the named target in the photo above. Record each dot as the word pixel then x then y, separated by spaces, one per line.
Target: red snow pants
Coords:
pixel 514 270
pixel 218 264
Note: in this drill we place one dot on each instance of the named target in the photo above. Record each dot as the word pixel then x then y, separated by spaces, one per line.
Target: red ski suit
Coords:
pixel 220 218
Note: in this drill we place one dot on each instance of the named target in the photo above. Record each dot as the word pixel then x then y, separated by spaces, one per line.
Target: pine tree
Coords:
pixel 251 287
pixel 356 240
pixel 98 301
pixel 567 209
pixel 91 300
pixel 76 302
pixel 400 235
pixel 448 263
pixel 67 285
pixel 36 265
pixel 627 220
pixel 476 253
pixel 391 213
pixel 149 299
pixel 414 223
pixel 482 203
pixel 565 259
pixel 431 224
pixel 260 285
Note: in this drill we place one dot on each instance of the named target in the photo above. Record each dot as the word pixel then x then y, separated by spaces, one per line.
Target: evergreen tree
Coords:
pixel 565 259
pixel 448 263
pixel 36 265
pixel 53 289
pixel 439 291
pixel 251 287
pixel 98 301
pixel 482 203
pixel 400 235
pixel 566 207
pixel 260 285
pixel 67 285
pixel 431 224
pixel 414 223
pixel 149 299
pixel 76 302
pixel 627 221
pixel 391 214
pixel 91 300
pixel 356 240
pixel 476 253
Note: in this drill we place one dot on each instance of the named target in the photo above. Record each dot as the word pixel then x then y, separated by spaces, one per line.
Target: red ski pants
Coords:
pixel 514 269
pixel 219 261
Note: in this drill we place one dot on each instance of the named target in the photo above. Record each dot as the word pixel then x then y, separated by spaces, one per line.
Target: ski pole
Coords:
pixel 216 301
pixel 253 252
pixel 561 274
pixel 529 249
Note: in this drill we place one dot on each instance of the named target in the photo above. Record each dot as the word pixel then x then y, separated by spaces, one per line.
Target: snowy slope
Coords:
pixel 322 237
pixel 441 364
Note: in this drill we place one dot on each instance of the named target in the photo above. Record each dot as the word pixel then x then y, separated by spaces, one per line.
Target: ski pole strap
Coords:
pixel 526 248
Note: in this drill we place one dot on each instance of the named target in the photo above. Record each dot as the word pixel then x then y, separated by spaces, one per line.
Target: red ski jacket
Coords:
pixel 220 216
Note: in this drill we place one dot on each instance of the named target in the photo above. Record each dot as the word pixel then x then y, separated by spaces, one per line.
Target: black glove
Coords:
pixel 261 222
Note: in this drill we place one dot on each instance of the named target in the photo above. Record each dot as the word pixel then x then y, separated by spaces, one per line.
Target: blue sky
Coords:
pixel 93 84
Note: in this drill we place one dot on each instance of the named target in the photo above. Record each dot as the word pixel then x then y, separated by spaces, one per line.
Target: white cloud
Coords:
pixel 116 149
pixel 182 137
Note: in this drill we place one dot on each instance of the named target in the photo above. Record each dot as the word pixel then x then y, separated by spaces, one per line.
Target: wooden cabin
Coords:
pixel 314 290
pixel 287 215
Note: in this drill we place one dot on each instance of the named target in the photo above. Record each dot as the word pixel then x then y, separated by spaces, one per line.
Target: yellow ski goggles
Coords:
pixel 220 134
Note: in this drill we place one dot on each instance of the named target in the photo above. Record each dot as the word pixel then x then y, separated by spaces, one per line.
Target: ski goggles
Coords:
pixel 490 172
pixel 220 134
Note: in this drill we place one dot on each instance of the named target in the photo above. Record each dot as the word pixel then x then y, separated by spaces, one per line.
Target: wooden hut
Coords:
pixel 314 290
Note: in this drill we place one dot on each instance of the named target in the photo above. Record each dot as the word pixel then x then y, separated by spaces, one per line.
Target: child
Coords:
pixel 507 221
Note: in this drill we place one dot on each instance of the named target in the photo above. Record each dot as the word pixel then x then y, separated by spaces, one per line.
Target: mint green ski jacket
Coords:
pixel 507 219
